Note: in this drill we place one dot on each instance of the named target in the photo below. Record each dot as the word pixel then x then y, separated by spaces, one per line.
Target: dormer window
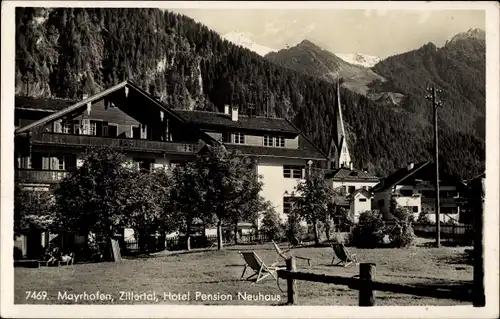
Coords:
pixel 274 141
pixel 239 138
pixel 268 141
pixel 279 141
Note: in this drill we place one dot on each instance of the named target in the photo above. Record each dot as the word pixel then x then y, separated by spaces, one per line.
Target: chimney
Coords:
pixel 234 113
pixel 226 109
pixel 410 165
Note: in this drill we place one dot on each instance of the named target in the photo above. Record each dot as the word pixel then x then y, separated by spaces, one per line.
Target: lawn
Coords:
pixel 217 273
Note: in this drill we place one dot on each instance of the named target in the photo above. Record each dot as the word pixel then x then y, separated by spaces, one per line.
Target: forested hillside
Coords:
pixel 458 69
pixel 66 52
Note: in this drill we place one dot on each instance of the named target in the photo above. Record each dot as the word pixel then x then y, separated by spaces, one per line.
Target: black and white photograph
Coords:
pixel 307 159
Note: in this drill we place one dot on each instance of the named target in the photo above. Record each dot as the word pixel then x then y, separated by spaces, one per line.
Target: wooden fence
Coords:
pixel 365 284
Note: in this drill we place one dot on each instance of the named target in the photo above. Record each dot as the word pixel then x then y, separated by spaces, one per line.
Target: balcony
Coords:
pixel 39 176
pixel 442 201
pixel 129 144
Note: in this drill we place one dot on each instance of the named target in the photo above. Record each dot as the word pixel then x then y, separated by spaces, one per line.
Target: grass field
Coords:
pixel 217 273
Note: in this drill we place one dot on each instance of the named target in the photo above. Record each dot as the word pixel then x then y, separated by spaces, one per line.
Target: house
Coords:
pixel 347 180
pixel 52 135
pixel 413 187
pixel 359 201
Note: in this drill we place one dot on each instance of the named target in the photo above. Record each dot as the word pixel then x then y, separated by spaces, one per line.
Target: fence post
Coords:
pixel 366 294
pixel 291 266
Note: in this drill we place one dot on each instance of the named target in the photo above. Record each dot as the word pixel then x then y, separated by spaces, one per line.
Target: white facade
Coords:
pixel 413 197
pixel 359 203
pixel 356 184
pixel 275 186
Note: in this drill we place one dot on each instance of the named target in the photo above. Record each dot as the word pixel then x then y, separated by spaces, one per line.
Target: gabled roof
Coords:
pixel 81 104
pixel 344 173
pixel 276 152
pixel 363 191
pixel 398 177
pixel 257 123
pixel 42 105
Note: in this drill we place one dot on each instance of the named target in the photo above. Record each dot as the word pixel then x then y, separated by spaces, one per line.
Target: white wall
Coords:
pixel 275 185
pixel 356 184
pixel 358 207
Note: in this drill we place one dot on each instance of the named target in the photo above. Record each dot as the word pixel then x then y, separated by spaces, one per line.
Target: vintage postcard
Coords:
pixel 250 159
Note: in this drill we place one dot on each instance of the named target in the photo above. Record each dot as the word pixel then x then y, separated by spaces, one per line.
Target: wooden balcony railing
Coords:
pixel 123 143
pixel 39 176
pixel 442 201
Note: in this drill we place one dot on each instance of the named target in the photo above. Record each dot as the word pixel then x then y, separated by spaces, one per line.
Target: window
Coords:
pixel 279 141
pixel 290 171
pixel 268 141
pixel 76 126
pixel 66 127
pixel 85 127
pixel 351 189
pixel 112 130
pixel 239 138
pixel 288 204
pixel 362 199
pixel 61 163
pixel 406 192
pixel 136 132
pixel 415 209
pixel 428 193
pixel 93 128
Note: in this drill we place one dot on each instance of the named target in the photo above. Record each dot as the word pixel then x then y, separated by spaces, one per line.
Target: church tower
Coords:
pixel 339 150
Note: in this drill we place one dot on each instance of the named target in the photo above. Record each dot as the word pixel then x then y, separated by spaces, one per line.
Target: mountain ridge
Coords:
pixel 68 52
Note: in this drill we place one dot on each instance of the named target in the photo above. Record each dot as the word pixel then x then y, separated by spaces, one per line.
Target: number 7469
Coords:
pixel 36 295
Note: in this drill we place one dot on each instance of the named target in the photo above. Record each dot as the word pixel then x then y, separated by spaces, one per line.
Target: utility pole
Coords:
pixel 435 105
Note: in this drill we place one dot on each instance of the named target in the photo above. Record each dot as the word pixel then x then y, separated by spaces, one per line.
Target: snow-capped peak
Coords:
pixel 360 59
pixel 239 38
pixel 471 33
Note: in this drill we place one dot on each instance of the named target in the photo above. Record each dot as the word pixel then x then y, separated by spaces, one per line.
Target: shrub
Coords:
pixel 294 228
pixel 369 232
pixel 423 217
pixel 271 225
pixel 401 234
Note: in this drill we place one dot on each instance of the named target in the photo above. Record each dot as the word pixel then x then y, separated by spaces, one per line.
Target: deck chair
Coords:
pixel 287 254
pixel 343 254
pixel 260 270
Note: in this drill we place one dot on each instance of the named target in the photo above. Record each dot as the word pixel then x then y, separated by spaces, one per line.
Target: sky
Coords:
pixel 371 31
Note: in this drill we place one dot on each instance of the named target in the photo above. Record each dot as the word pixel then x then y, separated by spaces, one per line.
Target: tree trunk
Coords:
pixel 219 235
pixel 142 241
pixel 316 232
pixel 188 237
pixel 328 228
pixel 236 233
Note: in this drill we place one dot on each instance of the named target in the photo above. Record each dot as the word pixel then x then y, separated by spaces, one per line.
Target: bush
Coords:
pixel 369 232
pixel 294 229
pixel 402 235
pixel 423 217
pixel 271 225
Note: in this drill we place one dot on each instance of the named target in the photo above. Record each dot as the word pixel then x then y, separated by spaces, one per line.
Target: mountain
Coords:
pixel 360 59
pixel 239 38
pixel 69 52
pixel 310 59
pixel 458 69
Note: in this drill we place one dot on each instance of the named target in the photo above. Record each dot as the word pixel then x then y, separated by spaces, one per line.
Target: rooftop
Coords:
pixel 257 123
pixel 344 173
pixel 51 105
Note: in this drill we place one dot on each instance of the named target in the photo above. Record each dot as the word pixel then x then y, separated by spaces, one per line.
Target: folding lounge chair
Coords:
pixel 260 270
pixel 343 254
pixel 287 254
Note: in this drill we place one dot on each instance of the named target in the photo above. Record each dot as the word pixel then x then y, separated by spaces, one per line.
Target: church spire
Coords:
pixel 343 156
